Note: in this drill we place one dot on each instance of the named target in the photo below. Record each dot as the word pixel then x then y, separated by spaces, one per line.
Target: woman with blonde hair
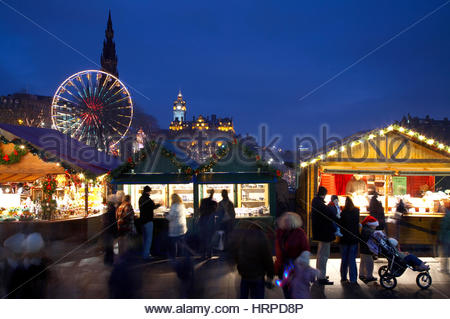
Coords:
pixel 290 242
pixel 177 224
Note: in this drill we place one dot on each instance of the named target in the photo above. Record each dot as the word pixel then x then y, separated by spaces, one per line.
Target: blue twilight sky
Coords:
pixel 249 59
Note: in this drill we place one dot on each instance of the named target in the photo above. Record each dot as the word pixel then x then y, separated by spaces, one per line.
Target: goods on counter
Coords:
pixel 16 213
pixel 254 211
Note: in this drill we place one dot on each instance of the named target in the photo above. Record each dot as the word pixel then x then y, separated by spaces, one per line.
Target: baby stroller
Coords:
pixel 396 266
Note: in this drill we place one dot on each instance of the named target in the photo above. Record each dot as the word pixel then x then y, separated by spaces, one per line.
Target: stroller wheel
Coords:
pixel 423 280
pixel 383 270
pixel 388 281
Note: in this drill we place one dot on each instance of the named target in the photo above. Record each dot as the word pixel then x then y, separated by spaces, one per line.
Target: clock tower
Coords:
pixel 179 109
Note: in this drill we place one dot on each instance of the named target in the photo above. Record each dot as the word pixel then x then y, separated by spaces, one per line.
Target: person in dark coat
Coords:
pixel 109 229
pixel 147 208
pixel 349 242
pixel 252 254
pixel 208 207
pixel 323 230
pixel 376 210
pixel 227 215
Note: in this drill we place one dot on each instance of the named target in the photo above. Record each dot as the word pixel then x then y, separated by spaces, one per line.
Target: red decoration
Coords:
pixel 15 153
pixel 6 158
pixel 278 173
pixel 258 157
pixel 130 160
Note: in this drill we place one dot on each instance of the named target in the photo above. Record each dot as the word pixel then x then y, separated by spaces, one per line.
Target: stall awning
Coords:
pixel 152 178
pixel 235 178
pixel 60 148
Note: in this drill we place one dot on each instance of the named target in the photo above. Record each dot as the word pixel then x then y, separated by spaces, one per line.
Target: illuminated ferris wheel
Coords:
pixel 93 107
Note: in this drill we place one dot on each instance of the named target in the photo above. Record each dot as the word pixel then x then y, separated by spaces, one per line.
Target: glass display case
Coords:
pixel 253 200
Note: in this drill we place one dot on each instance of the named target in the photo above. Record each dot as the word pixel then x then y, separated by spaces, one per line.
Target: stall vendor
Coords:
pixel 356 185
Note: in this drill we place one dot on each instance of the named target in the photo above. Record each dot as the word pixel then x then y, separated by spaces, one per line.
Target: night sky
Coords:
pixel 252 60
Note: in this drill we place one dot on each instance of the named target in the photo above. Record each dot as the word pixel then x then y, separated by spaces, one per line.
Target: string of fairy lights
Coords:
pixel 379 133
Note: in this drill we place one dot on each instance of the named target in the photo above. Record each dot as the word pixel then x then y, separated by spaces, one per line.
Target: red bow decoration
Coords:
pixel 278 173
pixel 15 153
pixel 6 158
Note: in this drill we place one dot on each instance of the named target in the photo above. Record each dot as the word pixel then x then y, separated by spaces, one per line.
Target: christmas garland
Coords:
pixel 223 151
pixel 14 157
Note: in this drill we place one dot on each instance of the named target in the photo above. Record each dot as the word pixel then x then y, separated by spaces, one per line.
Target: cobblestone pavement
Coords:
pixel 88 277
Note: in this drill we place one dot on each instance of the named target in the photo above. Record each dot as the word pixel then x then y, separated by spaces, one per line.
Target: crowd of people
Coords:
pixel 249 245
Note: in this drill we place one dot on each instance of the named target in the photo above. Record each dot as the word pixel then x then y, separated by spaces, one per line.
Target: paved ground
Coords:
pixel 87 277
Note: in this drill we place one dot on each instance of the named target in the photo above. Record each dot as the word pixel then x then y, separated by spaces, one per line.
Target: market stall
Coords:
pixel 47 176
pixel 250 183
pixel 396 164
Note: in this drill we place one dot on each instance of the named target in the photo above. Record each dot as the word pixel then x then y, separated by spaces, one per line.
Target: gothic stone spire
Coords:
pixel 108 58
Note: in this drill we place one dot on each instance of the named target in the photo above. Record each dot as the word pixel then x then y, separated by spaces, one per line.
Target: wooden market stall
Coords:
pixel 395 162
pixel 47 181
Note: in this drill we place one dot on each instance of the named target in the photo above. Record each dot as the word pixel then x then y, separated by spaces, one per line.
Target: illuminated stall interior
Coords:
pixel 394 162
pixel 34 179
pixel 250 183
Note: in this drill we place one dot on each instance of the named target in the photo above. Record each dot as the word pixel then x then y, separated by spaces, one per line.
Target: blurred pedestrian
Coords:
pixel 303 276
pixel 109 229
pixel 349 242
pixel 208 207
pixel 125 223
pixel 227 215
pixel 444 239
pixel 369 225
pixel 400 210
pixel 177 225
pixel 291 240
pixel 146 211
pixel 14 270
pixel 125 280
pixel 36 271
pixel 376 210
pixel 252 254
pixel 323 230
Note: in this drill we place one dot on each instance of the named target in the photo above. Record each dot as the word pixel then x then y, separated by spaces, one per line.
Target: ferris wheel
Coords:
pixel 93 107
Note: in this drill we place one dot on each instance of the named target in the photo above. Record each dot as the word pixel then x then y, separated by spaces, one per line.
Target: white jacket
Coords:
pixel 177 220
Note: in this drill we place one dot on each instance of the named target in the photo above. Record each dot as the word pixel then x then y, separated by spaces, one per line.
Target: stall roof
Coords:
pixel 237 167
pixel 157 167
pixel 393 149
pixel 62 148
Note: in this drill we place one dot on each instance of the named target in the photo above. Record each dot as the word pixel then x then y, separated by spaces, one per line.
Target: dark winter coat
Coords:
pixel 376 210
pixel 349 224
pixel 208 207
pixel 252 253
pixel 146 207
pixel 322 219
